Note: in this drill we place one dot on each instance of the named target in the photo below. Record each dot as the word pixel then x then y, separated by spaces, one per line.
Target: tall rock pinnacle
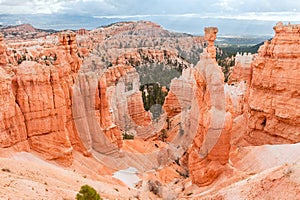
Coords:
pixel 3 58
pixel 210 36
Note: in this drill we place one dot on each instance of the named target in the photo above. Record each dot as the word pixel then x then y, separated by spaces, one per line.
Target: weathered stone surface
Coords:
pixel 235 98
pixel 181 92
pixel 144 56
pixel 241 70
pixel 210 36
pixel 38 98
pixel 136 109
pixel 171 105
pixel 12 125
pixel 3 56
pixel 273 95
pixel 210 151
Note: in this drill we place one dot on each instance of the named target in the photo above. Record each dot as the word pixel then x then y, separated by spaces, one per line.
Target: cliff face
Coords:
pixel 241 70
pixel 3 56
pixel 273 95
pixel 39 100
pixel 12 125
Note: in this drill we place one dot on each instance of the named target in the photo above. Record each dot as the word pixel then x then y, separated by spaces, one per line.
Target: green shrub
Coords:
pixel 127 136
pixel 87 193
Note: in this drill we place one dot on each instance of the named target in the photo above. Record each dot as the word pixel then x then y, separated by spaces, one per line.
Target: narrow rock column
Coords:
pixel 3 58
pixel 210 36
pixel 209 153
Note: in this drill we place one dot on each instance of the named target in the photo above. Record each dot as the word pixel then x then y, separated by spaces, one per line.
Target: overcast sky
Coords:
pixel 164 10
pixel 256 9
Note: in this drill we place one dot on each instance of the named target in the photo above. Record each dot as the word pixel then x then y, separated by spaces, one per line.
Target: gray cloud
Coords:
pixel 231 16
pixel 145 7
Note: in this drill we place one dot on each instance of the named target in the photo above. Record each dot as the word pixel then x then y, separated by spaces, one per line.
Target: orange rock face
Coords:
pixel 82 31
pixel 273 95
pixel 172 105
pixel 38 98
pixel 179 96
pixel 210 151
pixel 3 58
pixel 210 36
pixel 119 104
pixel 136 109
pixel 241 70
pixel 12 125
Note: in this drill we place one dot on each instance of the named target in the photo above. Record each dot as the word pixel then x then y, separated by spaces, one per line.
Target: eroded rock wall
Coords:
pixel 39 99
pixel 242 68
pixel 273 96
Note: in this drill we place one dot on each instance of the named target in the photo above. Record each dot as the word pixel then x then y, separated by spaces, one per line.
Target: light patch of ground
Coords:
pixel 25 176
pixel 254 173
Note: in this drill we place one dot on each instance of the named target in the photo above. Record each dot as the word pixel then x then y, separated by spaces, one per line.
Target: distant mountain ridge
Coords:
pixel 74 22
pixel 24 31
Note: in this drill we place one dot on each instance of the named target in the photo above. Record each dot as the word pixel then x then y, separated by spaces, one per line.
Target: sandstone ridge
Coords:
pixel 273 96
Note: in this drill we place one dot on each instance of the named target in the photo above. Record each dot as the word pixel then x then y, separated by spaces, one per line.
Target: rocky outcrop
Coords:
pixel 39 100
pixel 12 125
pixel 180 95
pixel 144 56
pixel 136 109
pixel 126 102
pixel 82 32
pixel 273 96
pixel 107 104
pixel 171 105
pixel 210 36
pixel 3 56
pixel 209 153
pixel 43 104
pixel 121 100
pixel 241 70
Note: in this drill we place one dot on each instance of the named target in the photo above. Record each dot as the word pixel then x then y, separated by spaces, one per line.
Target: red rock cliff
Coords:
pixel 3 58
pixel 38 97
pixel 273 95
pixel 241 70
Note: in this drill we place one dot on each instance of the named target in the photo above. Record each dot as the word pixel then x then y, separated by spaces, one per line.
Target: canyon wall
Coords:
pixel 260 107
pixel 37 97
pixel 241 70
pixel 273 112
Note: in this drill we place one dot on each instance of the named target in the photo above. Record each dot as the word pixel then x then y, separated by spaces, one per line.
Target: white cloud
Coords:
pixel 267 16
pixel 226 5
pixel 31 7
pixel 260 16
